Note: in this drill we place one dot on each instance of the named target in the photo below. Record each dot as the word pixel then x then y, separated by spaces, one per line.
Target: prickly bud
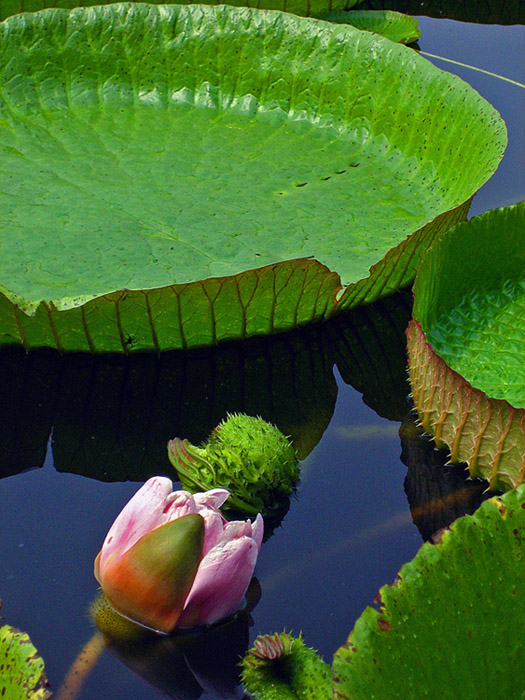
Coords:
pixel 246 455
pixel 281 667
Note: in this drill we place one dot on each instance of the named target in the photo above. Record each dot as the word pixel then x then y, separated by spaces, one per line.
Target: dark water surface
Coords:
pixel 349 529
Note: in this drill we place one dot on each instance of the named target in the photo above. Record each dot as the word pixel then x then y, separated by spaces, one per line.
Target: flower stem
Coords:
pixel 81 668
pixel 466 65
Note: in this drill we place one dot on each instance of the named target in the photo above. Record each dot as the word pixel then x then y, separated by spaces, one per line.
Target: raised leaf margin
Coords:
pixel 283 294
pixel 392 25
pixel 485 432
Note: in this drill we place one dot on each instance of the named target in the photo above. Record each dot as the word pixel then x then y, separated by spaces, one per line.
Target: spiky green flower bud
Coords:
pixel 281 667
pixel 247 456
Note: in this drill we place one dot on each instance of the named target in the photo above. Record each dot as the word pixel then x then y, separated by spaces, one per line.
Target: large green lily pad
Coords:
pixel 490 12
pixel 452 621
pixel 298 7
pixel 467 344
pixel 173 176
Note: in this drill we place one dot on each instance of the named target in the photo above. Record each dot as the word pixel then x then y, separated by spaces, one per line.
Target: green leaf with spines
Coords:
pixel 281 667
pixel 451 620
pixel 466 345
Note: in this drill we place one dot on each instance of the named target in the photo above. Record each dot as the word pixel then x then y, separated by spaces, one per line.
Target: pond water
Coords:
pixel 340 391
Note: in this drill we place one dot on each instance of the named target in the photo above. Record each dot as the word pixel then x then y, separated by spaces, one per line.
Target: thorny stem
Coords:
pixel 81 668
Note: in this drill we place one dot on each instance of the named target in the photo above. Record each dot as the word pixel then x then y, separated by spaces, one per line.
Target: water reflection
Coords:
pixel 438 493
pixel 184 665
pixel 111 416
pixel 369 348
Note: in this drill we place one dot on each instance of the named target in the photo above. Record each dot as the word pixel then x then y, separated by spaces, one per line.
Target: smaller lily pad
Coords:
pixel 23 676
pixel 486 12
pixel 466 345
pixel 403 29
pixel 451 622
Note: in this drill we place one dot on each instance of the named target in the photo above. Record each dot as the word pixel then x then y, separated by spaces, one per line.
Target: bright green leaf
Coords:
pixel 126 166
pixel 467 341
pixel 298 7
pixel 392 25
pixel 451 624
pixel 22 675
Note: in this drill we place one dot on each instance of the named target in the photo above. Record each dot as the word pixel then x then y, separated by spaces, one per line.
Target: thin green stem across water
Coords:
pixel 480 70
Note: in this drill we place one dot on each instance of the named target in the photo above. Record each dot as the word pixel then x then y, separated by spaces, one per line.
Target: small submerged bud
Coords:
pixel 271 646
pixel 246 455
pixel 281 666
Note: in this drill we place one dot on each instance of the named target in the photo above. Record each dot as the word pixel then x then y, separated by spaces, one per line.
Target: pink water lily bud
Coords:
pixel 171 559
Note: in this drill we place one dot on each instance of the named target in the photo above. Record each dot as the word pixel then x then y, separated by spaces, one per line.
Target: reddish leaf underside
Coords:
pixel 488 434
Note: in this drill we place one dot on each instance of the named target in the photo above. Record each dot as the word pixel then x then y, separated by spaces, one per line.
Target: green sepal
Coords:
pixel 150 582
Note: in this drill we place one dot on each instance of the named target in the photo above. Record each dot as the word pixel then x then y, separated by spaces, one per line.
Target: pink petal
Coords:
pixel 221 582
pixel 213 528
pixel 213 498
pixel 144 512
pixel 258 530
pixel 240 528
pixel 178 504
pixel 236 529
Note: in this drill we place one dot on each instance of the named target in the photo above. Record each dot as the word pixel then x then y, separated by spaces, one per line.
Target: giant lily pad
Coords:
pixel 173 176
pixel 298 7
pixel 394 25
pixel 451 622
pixel 490 12
pixel 466 345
